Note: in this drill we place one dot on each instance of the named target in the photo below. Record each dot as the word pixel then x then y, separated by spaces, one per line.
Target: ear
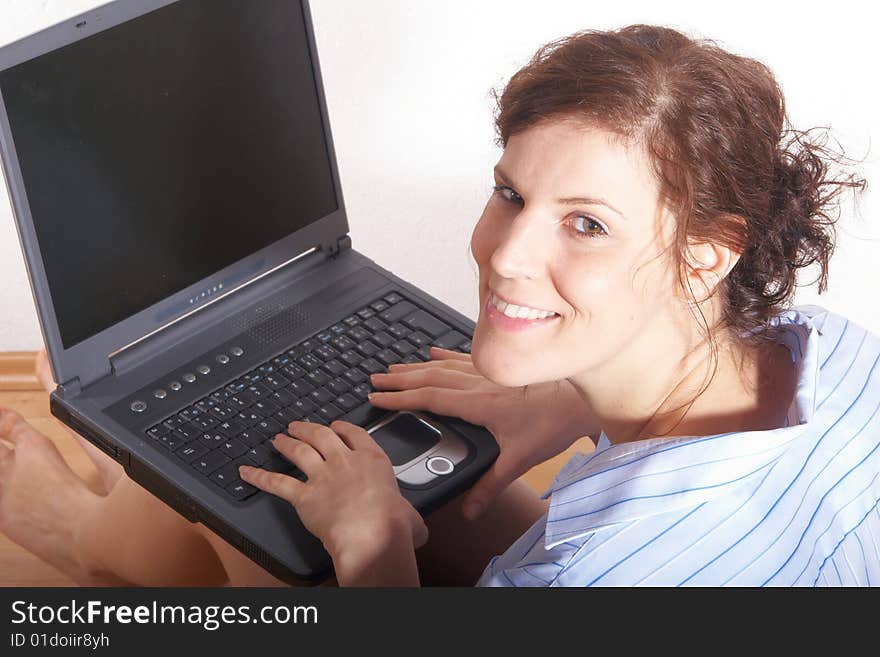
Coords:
pixel 708 264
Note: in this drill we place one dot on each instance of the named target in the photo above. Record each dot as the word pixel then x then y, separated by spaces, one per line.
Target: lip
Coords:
pixel 502 321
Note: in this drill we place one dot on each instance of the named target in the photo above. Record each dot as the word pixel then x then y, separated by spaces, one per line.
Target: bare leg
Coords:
pixel 109 470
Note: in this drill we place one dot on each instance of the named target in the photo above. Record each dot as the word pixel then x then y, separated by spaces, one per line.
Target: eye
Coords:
pixel 586 226
pixel 508 194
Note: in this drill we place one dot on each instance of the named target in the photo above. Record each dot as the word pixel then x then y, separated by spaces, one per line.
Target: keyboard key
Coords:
pixel 403 347
pixel 172 423
pixel 372 366
pixel 189 453
pixel 187 431
pixel 242 400
pixel 379 306
pixel 424 353
pixel 171 441
pixel 269 427
pixel 251 437
pixel 365 313
pixel 282 398
pixel 293 371
pixel 211 440
pixel 364 415
pixel 392 298
pixel 233 448
pixel 375 324
pixel 275 381
pixel 240 490
pixel 326 352
pixel 344 343
pixel 310 362
pixel 309 344
pixel 300 388
pixel 346 402
pixel 339 329
pixel 388 357
pixel 398 330
pixel 157 432
pixel 465 347
pixel 325 336
pixel 351 320
pixel 224 476
pixel 249 417
pixel 383 339
pixel 231 428
pixel 449 340
pixel 287 415
pixel 267 407
pixel 189 414
pixel 259 391
pixel 277 463
pixel 357 334
pixel 412 358
pixel 355 375
pixel 361 391
pixel 223 411
pixel 303 407
pixel 351 358
pixel 368 348
pixel 339 385
pixel 209 462
pixel 258 454
pixel 422 321
pixel 281 361
pixel 419 339
pixel 329 412
pixel 397 311
pixel 334 367
pixel 318 378
pixel 321 396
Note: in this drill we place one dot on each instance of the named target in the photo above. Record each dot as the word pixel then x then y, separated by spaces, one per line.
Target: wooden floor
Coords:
pixel 20 568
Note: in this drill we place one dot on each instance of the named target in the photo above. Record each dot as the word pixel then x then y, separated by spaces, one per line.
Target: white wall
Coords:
pixel 408 88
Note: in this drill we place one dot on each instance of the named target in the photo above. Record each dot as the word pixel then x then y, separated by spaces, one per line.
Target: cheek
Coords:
pixel 482 240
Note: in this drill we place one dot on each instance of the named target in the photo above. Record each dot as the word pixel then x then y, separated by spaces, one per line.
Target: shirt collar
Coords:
pixel 620 483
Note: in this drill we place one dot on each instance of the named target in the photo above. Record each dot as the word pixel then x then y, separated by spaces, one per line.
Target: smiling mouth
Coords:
pixel 513 311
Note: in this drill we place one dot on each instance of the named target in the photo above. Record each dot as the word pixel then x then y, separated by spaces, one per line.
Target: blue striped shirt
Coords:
pixel 796 505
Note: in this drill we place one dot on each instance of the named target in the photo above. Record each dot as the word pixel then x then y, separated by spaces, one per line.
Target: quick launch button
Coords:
pixel 439 465
pixel 138 406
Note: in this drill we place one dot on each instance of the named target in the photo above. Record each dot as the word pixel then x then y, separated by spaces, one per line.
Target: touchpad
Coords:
pixel 405 437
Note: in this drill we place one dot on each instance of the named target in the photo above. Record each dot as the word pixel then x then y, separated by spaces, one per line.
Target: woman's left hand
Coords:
pixel 351 501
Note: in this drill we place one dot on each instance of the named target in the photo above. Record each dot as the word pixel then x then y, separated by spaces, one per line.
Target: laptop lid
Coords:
pixel 159 155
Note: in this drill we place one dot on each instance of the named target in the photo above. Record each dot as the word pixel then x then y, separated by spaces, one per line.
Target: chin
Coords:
pixel 497 371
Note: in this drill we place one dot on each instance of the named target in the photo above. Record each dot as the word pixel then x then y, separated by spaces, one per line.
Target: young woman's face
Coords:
pixel 573 227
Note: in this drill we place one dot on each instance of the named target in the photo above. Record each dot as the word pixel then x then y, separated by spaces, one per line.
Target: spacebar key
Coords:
pixel 364 414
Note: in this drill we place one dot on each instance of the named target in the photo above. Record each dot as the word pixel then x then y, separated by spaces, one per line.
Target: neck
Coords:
pixel 681 389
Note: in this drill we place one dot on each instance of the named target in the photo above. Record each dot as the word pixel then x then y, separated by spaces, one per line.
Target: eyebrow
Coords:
pixel 572 200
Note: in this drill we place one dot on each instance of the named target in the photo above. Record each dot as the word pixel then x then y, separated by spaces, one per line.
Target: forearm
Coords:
pixel 389 560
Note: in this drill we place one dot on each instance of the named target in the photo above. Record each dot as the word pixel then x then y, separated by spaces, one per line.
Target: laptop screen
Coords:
pixel 165 149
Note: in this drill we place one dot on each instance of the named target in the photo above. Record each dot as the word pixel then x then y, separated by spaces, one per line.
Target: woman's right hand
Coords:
pixel 531 423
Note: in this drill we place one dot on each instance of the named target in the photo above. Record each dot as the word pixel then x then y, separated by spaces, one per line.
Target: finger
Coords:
pixel 443 401
pixel 298 452
pixel 13 427
pixel 321 437
pixel 487 488
pixel 458 365
pixel 276 483
pixel 439 353
pixel 44 371
pixel 442 378
pixel 355 437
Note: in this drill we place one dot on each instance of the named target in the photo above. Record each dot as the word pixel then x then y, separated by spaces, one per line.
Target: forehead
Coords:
pixel 563 159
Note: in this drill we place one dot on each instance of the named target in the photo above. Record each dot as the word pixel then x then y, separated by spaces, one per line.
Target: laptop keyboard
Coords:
pixel 323 378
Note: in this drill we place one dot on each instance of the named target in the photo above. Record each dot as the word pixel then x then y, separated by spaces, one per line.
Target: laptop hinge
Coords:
pixel 71 388
pixel 334 248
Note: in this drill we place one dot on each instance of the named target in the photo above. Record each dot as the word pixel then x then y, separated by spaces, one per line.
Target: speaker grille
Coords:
pixel 267 324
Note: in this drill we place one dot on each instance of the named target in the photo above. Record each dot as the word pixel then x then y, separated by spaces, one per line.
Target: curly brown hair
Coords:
pixel 715 128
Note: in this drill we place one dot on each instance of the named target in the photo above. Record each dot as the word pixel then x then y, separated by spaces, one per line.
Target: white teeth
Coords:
pixel 519 312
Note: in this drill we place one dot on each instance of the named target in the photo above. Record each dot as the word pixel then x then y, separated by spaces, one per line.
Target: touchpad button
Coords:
pixel 405 437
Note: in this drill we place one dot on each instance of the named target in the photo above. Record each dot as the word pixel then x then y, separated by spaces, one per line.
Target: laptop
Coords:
pixel 176 194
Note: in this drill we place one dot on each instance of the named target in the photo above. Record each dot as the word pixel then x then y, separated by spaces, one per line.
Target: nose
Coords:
pixel 521 251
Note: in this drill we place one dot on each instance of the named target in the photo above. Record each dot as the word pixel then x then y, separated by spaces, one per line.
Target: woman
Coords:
pixel 650 214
